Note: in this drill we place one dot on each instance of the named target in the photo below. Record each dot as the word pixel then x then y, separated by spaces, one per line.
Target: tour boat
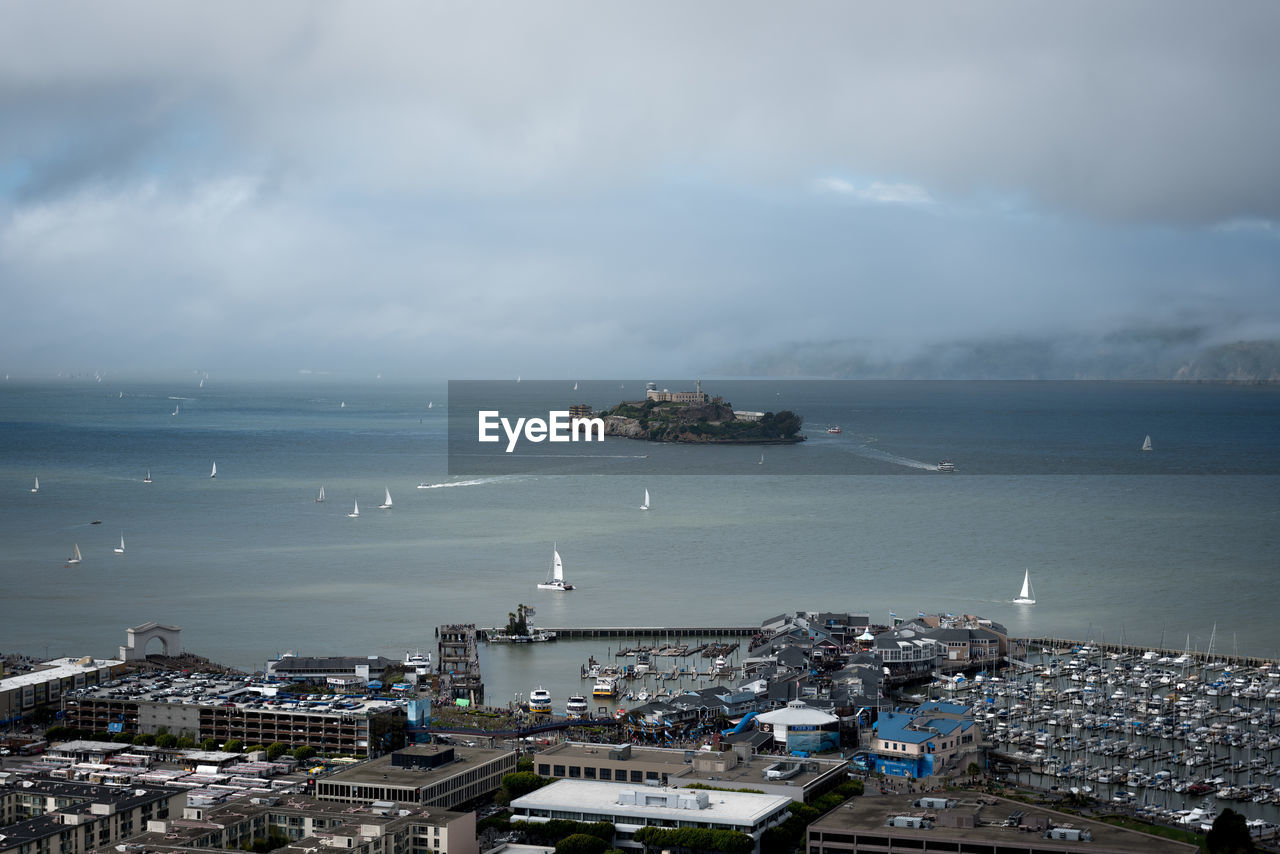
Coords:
pixel 946 465
pixel 540 701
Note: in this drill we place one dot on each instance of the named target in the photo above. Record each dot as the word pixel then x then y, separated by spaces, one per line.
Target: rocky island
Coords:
pixel 698 418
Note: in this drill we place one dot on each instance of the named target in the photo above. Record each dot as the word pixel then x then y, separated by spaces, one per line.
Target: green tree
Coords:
pixel 235 745
pixel 185 742
pixel 275 750
pixel 166 740
pixel 209 745
pixel 303 753
pixel 522 783
pixel 1229 834
pixel 143 739
pixel 581 843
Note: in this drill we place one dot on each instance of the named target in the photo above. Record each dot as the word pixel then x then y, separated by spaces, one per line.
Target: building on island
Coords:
pixel 651 392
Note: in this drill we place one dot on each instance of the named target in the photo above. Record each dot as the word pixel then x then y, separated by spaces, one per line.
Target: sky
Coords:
pixel 577 189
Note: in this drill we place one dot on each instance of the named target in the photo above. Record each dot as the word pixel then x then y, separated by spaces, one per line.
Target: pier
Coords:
pixel 1061 645
pixel 641 631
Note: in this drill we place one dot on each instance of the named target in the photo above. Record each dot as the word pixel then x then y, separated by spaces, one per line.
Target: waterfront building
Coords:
pixel 431 775
pixel 932 739
pixel 907 653
pixel 23 693
pixel 42 816
pixel 338 670
pixel 737 768
pixel 800 727
pixel 986 825
pixel 629 808
pixel 651 392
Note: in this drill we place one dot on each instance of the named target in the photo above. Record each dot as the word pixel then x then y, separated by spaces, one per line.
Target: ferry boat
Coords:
pixel 606 686
pixel 577 707
pixel 946 465
pixel 540 701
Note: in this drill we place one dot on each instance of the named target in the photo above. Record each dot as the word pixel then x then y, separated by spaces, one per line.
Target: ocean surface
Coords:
pixel 1174 547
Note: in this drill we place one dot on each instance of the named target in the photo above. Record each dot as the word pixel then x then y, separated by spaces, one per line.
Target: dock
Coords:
pixel 648 631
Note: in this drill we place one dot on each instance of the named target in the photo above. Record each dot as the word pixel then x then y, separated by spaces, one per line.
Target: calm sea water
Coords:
pixel 1172 546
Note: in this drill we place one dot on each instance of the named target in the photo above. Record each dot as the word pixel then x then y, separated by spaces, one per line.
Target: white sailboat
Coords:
pixel 1146 444
pixel 176 406
pixel 355 512
pixel 760 462
pixel 120 548
pixel 320 496
pixel 575 386
pixel 555 578
pixel 430 404
pixel 1026 596
pixel 386 504
pixel 645 505
pixel 72 561
pixel 36 486
pixel 147 479
pixel 214 473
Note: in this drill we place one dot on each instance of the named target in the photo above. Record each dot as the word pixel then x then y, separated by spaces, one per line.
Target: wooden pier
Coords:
pixel 1201 658
pixel 645 631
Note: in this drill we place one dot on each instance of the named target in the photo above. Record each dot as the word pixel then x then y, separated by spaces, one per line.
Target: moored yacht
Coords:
pixel 606 686
pixel 576 707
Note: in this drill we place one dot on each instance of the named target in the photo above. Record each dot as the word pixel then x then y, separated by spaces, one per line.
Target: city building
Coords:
pixel 22 693
pixel 972 825
pixel 630 807
pixel 340 671
pixel 800 727
pixel 437 775
pixel 651 392
pixel 41 816
pixel 928 740
pixel 737 768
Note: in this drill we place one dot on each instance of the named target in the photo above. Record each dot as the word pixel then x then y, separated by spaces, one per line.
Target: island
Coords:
pixel 696 417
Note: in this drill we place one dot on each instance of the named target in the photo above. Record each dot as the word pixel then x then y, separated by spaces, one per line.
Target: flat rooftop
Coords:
pixel 679 764
pixel 380 771
pixel 591 796
pixel 871 812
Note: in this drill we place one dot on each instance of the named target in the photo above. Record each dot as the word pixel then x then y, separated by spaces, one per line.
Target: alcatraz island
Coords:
pixel 696 417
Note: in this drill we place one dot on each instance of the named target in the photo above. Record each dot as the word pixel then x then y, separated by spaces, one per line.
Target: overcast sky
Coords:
pixel 475 189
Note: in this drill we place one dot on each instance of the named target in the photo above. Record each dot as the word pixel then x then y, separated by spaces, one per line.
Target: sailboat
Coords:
pixel 430 403
pixel 760 462
pixel 214 473
pixel 555 578
pixel 645 505
pixel 1026 596
pixel 320 497
pixel 1146 444
pixel 575 386
pixel 355 512
pixel 386 504
pixel 36 487
pixel 176 406
pixel 72 561
pixel 120 548
pixel 147 479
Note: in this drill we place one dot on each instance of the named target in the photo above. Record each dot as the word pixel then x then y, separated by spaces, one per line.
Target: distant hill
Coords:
pixel 1177 354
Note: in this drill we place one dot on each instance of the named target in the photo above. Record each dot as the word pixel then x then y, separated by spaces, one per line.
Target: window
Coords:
pixel 559 771
pixel 637 776
pixel 589 773
pixel 544 769
pixel 574 772
pixel 606 773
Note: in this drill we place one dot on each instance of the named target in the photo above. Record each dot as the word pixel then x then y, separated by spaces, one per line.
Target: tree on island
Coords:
pixel 518 621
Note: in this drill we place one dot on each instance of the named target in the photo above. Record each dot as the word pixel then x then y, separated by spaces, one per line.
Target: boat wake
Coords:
pixel 480 481
pixel 864 450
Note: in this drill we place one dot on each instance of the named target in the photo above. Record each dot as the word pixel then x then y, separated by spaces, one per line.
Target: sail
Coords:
pixel 386 504
pixel 1026 586
pixel 557 570
pixel 645 506
pixel 214 473
pixel 1146 444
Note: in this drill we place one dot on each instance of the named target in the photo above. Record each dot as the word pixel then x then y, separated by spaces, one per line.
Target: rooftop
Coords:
pixel 871 812
pixel 742 808
pixel 382 772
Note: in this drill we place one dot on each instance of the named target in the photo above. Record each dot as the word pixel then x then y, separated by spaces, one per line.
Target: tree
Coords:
pixel 209 745
pixel 1229 834
pixel 275 750
pixel 581 843
pixel 235 745
pixel 143 739
pixel 974 769
pixel 166 740
pixel 521 783
pixel 185 742
pixel 303 753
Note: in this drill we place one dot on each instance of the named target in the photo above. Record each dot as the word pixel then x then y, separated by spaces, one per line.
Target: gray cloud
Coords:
pixel 449 187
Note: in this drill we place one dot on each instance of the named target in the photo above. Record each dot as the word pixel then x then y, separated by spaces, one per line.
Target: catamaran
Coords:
pixel 120 548
pixel 1026 596
pixel 72 561
pixel 386 504
pixel 1146 445
pixel 645 505
pixel 320 496
pixel 355 511
pixel 555 577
